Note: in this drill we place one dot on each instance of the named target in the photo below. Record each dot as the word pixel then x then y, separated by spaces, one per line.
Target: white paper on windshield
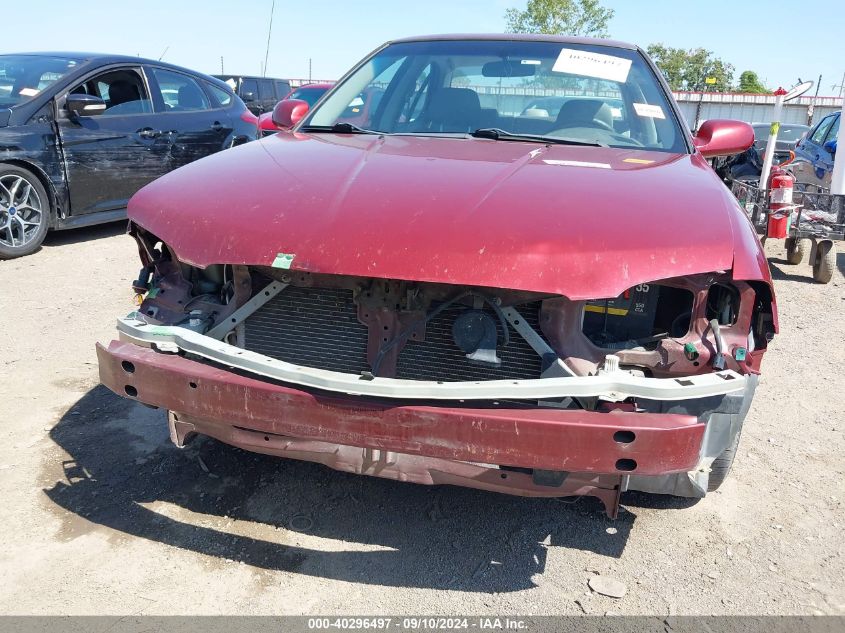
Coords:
pixel 592 65
pixel 28 92
pixel 649 111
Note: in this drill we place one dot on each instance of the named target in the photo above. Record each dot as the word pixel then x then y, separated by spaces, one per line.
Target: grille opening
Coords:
pixel 319 328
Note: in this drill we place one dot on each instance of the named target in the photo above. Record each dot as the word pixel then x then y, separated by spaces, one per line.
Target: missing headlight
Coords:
pixel 638 318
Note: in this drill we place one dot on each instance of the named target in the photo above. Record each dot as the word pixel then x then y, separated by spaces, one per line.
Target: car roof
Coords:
pixel 227 75
pixel 324 84
pixel 106 58
pixel 518 37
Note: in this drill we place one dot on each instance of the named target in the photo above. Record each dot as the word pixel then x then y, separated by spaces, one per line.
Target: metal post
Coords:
pixel 773 137
pixel 837 180
pixel 269 31
pixel 811 110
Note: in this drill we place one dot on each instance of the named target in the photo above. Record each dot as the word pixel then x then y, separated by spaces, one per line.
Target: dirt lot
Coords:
pixel 102 515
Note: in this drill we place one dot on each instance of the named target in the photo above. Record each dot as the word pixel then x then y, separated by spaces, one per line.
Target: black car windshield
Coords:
pixel 23 77
pixel 589 93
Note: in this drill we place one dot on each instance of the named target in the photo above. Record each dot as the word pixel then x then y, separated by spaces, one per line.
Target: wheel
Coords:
pixel 825 262
pixel 24 212
pixel 796 249
pixel 722 465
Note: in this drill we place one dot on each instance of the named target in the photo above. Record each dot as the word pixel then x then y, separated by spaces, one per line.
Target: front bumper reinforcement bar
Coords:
pixel 613 386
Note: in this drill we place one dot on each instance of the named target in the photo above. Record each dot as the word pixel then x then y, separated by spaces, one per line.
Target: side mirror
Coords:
pixel 248 96
pixel 85 105
pixel 722 137
pixel 830 146
pixel 289 112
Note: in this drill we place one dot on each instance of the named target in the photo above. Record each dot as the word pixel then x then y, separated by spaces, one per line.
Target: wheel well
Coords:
pixel 45 181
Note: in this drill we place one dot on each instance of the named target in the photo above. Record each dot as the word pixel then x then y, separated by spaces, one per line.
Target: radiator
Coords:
pixel 319 328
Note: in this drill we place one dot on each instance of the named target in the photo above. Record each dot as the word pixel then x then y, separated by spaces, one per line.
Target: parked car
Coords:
pixel 357 109
pixel 749 164
pixel 815 153
pixel 80 133
pixel 259 94
pixel 442 293
pixel 309 93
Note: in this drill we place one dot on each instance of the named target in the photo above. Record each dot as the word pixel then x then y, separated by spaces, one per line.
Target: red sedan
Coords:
pixel 448 291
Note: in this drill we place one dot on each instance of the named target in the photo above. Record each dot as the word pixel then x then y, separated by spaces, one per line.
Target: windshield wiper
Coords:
pixel 498 134
pixel 340 128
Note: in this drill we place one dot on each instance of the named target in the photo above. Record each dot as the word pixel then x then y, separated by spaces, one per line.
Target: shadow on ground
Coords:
pixel 438 537
pixel 783 271
pixel 85 234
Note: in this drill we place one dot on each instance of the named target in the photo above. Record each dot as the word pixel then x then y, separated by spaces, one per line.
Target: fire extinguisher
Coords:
pixel 780 186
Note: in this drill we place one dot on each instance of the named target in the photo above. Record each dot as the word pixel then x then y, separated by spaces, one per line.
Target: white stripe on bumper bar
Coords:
pixel 615 386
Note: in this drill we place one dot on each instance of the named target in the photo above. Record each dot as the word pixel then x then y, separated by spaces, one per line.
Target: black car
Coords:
pixel 260 94
pixel 749 164
pixel 81 133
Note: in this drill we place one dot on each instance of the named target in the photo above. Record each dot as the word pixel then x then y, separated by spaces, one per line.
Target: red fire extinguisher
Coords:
pixel 780 186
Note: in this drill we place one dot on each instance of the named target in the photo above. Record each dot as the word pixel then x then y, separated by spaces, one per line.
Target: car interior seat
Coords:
pixel 452 110
pixel 585 113
pixel 190 98
pixel 122 91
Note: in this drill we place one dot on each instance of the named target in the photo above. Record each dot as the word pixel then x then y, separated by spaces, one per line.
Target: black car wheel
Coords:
pixel 24 212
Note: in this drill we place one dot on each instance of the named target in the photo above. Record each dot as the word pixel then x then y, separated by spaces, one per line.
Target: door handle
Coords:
pixel 217 126
pixel 149 133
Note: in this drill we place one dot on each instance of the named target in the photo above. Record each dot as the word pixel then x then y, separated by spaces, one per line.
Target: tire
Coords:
pixel 825 262
pixel 25 212
pixel 796 249
pixel 721 466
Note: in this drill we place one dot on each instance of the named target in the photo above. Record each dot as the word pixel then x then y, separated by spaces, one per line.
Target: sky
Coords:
pixel 775 38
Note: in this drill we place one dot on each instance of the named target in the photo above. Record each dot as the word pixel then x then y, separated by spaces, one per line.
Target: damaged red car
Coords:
pixel 452 292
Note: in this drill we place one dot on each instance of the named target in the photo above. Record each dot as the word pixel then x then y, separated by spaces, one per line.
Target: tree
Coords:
pixel 750 82
pixel 690 69
pixel 560 17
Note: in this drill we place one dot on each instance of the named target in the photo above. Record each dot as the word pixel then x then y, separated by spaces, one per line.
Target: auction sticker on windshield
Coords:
pixel 594 65
pixel 649 111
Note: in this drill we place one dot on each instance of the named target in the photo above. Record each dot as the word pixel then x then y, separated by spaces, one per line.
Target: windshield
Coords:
pixel 589 93
pixel 309 95
pixel 24 76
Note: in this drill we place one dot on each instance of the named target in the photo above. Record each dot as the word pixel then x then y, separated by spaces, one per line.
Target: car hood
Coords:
pixel 584 222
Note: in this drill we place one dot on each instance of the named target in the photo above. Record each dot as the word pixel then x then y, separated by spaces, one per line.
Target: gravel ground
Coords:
pixel 104 516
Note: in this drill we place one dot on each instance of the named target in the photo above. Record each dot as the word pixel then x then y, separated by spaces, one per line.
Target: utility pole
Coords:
pixel 269 31
pixel 812 107
pixel 222 72
pixel 309 70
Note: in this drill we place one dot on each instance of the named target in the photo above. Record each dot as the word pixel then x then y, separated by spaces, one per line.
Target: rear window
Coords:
pixel 265 90
pixel 222 97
